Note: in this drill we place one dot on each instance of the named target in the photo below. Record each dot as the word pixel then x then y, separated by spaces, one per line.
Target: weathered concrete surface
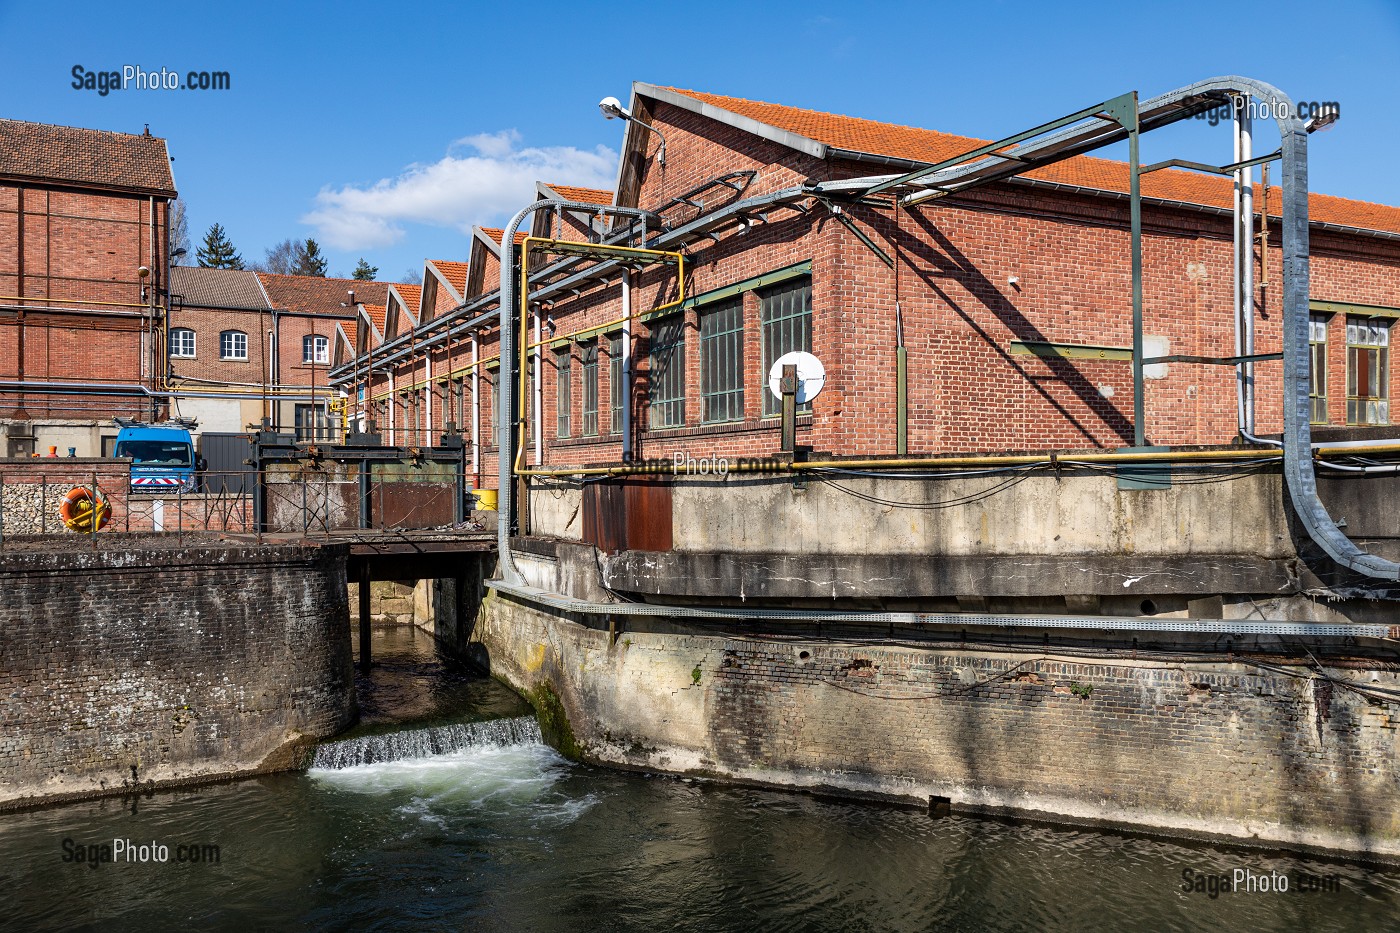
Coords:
pixel 1199 749
pixel 144 663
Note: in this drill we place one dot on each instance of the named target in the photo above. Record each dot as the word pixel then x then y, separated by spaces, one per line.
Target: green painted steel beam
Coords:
pixel 1070 351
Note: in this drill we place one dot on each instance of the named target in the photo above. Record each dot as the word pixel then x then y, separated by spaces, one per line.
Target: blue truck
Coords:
pixel 162 457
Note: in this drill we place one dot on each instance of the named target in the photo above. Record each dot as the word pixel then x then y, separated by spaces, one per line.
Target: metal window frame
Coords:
pixel 674 375
pixel 588 364
pixel 728 369
pixel 564 391
pixel 1382 383
pixel 316 342
pixel 772 407
pixel 615 383
pixel 1326 321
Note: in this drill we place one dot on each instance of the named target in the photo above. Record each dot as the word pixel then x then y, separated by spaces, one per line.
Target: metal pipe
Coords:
pixel 504 311
pixel 1243 228
pixel 958 620
pixel 537 396
pixel 626 366
pixel 476 415
pixel 1135 234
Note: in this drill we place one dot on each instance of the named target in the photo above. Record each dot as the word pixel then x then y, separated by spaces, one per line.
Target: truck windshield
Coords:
pixel 155 453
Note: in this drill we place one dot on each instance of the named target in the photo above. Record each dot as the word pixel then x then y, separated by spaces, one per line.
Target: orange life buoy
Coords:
pixel 78 507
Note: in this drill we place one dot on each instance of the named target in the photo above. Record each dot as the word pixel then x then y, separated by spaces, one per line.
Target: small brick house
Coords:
pixel 84 220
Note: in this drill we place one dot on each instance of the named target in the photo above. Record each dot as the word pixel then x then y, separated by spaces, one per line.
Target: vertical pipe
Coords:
pixel 626 386
pixel 1243 229
pixel 537 397
pixel 476 413
pixel 1135 222
pixel 393 437
pixel 364 615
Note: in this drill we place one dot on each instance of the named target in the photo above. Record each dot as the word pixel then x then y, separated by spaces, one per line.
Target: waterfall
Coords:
pixel 425 743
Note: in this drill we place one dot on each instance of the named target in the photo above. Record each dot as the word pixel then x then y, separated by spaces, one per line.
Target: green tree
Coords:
pixel 216 252
pixel 312 261
pixel 364 271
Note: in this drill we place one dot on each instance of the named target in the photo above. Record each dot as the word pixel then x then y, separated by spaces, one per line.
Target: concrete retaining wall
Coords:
pixel 1215 749
pixel 143 663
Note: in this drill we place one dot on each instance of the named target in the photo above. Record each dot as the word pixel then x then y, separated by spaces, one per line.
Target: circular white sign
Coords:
pixel 811 375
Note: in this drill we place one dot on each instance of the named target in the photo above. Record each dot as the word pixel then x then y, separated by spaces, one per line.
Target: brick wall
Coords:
pixel 955 258
pixel 144 663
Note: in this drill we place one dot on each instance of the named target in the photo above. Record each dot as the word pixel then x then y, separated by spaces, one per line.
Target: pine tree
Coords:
pixel 216 252
pixel 364 271
pixel 312 261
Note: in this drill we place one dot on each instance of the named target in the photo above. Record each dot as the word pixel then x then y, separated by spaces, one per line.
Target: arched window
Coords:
pixel 315 349
pixel 182 343
pixel 233 345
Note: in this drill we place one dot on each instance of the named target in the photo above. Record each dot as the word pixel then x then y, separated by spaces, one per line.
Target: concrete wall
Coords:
pixel 1219 748
pixel 143 663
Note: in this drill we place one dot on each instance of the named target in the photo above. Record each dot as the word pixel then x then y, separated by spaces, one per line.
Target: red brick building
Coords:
pixel 247 346
pixel 1012 303
pixel 83 259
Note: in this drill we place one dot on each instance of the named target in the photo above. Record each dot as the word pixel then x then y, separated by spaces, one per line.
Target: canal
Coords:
pixel 444 811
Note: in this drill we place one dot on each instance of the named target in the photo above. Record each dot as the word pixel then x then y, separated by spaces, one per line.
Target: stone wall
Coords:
pixel 144 663
pixel 1220 748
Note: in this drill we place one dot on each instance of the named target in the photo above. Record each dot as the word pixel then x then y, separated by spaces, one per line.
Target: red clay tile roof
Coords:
pixel 123 161
pixel 348 335
pixel 583 195
pixel 412 297
pixel 376 315
pixel 907 142
pixel 496 235
pixel 454 272
pixel 315 295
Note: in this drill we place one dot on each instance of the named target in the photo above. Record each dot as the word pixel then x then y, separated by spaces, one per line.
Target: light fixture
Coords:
pixel 612 109
pixel 1323 120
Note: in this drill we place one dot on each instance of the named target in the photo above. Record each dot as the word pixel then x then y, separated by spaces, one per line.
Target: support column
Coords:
pixel 364 617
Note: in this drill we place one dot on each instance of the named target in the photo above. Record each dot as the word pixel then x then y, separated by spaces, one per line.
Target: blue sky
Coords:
pixel 386 132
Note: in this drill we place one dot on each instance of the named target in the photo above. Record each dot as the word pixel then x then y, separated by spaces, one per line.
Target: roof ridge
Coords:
pixel 83 129
pixel 822 113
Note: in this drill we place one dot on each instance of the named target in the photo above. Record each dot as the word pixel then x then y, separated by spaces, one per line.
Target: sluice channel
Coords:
pixel 445 810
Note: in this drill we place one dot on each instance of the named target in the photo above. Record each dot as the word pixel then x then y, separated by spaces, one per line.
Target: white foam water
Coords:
pixel 413 744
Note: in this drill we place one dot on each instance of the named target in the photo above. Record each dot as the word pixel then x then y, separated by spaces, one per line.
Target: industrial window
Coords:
pixel 563 361
pixel 459 388
pixel 311 423
pixel 182 343
pixel 315 349
pixel 786 314
pixel 666 391
pixel 1317 386
pixel 722 362
pixel 1368 370
pixel 233 345
pixel 493 423
pixel 615 387
pixel 588 355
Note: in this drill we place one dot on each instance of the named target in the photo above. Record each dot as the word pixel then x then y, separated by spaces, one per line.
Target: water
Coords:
pixel 478 826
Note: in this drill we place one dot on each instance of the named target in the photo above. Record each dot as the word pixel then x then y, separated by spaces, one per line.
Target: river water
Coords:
pixel 485 828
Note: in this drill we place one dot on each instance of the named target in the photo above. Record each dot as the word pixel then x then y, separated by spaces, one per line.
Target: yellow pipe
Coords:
pixel 74 301
pixel 967 461
pixel 526 347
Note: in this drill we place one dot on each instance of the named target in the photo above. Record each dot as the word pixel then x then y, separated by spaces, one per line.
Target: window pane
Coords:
pixel 1317 362
pixel 588 353
pixel 1368 370
pixel 493 422
pixel 233 345
pixel 615 386
pixel 786 314
pixel 667 385
pixel 722 362
pixel 563 362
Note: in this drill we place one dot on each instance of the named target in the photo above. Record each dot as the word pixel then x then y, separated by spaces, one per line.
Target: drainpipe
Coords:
pixel 476 414
pixel 626 366
pixel 390 398
pixel 275 372
pixel 538 393
pixel 1244 266
pixel 20 412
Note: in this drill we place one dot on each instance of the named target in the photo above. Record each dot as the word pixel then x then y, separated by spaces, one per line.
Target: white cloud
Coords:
pixel 483 179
